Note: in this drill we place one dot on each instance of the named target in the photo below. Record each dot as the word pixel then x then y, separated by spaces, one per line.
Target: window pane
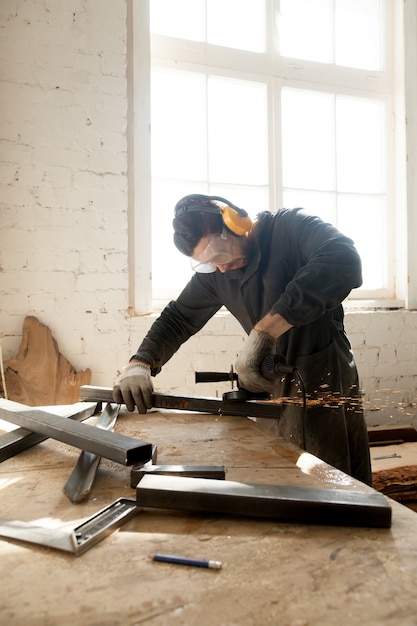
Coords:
pixel 170 269
pixel 237 24
pixel 359 217
pixel 362 219
pixel 252 199
pixel 237 132
pixel 358 34
pixel 322 205
pixel 231 23
pixel 179 134
pixel 178 18
pixel 361 153
pixel 350 34
pixel 308 140
pixel 306 30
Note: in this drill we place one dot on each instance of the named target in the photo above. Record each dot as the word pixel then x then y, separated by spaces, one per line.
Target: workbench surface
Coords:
pixel 273 573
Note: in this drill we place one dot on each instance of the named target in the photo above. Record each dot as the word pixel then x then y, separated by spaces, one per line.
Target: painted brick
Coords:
pixel 367 355
pixel 376 336
pixel 357 339
pixel 388 354
pixel 384 369
pixel 212 344
pixel 408 335
pixel 92 282
pixel 13 300
pixel 407 351
pixel 41 303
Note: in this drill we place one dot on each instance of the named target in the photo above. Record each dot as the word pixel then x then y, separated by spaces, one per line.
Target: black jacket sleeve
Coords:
pixel 329 267
pixel 179 320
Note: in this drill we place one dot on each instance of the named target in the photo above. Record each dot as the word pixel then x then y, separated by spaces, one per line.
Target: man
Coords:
pixel 284 279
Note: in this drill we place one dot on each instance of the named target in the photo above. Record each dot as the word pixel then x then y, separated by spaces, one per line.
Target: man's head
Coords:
pixel 212 231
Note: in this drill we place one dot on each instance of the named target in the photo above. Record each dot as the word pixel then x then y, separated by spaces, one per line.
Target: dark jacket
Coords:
pixel 303 269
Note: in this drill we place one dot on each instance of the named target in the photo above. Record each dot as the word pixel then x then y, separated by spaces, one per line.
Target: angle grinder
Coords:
pixel 272 366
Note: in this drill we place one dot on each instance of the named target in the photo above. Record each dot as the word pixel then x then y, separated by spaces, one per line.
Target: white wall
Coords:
pixel 63 214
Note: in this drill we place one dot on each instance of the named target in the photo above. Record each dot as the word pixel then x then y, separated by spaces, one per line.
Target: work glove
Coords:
pixel 134 387
pixel 248 365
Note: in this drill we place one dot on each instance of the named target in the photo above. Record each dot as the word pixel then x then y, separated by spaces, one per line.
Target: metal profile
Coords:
pixel 21 439
pixel 216 472
pixel 113 446
pixel 216 406
pixel 279 502
pixel 81 479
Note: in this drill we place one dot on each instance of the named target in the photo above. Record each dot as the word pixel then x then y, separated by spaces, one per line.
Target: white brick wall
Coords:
pixel 63 213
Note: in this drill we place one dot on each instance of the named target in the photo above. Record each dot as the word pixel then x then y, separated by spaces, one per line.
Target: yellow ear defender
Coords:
pixel 235 219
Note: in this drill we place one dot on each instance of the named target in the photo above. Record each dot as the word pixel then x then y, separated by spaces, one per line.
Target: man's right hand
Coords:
pixel 134 387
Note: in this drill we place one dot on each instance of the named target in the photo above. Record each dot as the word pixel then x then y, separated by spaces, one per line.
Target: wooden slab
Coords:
pixel 40 374
pixel 394 470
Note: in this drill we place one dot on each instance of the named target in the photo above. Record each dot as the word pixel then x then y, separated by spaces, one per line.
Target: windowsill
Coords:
pixel 348 305
pixel 371 305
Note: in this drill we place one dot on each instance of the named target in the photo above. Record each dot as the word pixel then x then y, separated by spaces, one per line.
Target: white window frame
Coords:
pixel 404 145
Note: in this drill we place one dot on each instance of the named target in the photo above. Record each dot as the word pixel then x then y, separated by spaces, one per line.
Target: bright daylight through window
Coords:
pixel 274 103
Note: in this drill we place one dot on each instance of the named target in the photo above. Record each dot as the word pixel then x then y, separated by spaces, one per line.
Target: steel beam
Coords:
pixel 280 502
pixel 216 406
pixel 21 439
pixel 118 448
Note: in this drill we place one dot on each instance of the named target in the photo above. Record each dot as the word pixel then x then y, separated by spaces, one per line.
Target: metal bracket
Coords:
pixel 79 539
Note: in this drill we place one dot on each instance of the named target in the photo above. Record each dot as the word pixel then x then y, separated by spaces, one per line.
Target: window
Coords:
pixel 274 103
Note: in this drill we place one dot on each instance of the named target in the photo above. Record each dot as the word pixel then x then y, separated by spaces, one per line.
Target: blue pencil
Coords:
pixel 181 560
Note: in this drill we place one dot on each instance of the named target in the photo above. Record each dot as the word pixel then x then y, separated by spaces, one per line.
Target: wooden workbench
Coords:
pixel 273 573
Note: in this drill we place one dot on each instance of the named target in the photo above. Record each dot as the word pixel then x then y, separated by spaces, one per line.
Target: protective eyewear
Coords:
pixel 220 250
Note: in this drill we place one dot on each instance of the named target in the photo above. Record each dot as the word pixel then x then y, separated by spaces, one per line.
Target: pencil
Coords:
pixel 181 560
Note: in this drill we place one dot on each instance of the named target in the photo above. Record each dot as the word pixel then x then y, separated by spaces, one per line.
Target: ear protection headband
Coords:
pixel 234 218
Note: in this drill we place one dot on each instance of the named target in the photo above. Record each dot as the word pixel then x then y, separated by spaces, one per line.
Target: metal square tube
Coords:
pixel 113 446
pixel 21 439
pixel 216 472
pixel 280 502
pixel 216 406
